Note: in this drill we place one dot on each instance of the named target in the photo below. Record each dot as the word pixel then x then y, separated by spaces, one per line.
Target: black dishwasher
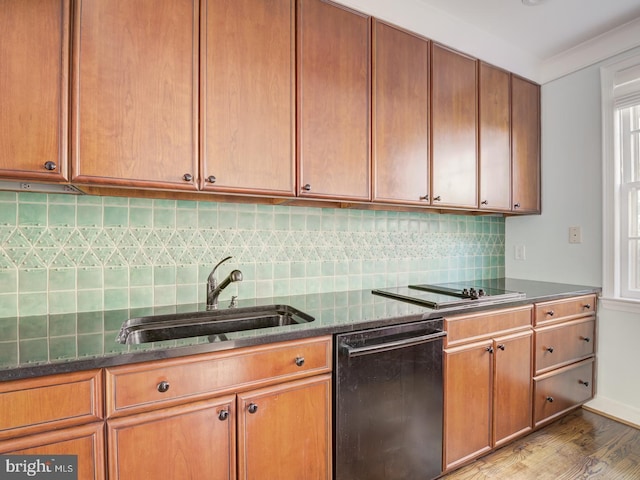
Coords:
pixel 388 403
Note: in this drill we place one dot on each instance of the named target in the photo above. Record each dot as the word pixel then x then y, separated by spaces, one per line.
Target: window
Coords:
pixel 621 181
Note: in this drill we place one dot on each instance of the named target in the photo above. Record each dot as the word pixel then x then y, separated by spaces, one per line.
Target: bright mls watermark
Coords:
pixel 49 467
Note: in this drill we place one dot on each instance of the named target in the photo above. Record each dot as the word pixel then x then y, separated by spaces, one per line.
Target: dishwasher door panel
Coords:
pixel 389 403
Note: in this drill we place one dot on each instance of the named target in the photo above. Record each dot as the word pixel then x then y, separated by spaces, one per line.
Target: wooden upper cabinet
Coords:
pixel 334 91
pixel 34 82
pixel 400 116
pixel 525 125
pixel 135 93
pixel 248 96
pixel 453 129
pixel 495 138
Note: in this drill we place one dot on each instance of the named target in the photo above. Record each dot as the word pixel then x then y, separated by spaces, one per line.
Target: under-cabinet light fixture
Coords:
pixel 18 186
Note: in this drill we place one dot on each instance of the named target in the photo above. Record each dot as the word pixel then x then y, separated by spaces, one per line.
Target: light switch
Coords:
pixel 575 235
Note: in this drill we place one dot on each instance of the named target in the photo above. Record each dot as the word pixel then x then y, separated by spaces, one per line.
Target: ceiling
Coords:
pixel 544 30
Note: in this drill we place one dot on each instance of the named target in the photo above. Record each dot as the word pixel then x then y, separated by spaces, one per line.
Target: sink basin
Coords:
pixel 155 328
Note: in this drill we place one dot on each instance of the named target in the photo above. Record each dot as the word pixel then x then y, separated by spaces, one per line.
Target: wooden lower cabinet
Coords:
pixel 487 395
pixel 187 442
pixel 86 441
pixel 284 431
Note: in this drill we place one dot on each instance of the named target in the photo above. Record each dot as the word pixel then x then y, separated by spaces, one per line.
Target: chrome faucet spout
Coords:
pixel 214 289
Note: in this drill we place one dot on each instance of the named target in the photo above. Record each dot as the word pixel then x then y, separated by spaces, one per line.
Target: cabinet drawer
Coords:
pixel 482 325
pixel 47 403
pixel 565 343
pixel 145 386
pixel 561 390
pixel 562 310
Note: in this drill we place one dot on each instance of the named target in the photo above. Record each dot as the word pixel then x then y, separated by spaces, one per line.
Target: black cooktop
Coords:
pixel 453 294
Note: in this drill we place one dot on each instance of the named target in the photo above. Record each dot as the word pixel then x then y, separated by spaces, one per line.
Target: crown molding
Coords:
pixel 597 49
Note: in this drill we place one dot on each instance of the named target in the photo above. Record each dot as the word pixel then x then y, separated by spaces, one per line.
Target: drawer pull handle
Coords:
pixel 490 349
pixel 551 313
pixel 501 347
pixel 587 306
pixel 50 165
pixel 586 339
pixel 223 415
pixel 586 384
pixel 187 177
pixel 549 349
pixel 252 408
pixel 550 399
pixel 163 386
pixel 299 361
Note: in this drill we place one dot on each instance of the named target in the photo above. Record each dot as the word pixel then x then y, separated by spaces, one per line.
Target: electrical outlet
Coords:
pixel 520 253
pixel 575 235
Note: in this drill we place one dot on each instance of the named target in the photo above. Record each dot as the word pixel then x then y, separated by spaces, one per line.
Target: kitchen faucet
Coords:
pixel 214 289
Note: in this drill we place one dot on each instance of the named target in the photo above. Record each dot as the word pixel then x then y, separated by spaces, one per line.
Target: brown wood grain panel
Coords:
pixel 494 138
pixel 34 85
pixel 87 442
pixel 135 93
pixel 454 124
pixel 560 344
pixel 400 115
pixel 248 96
pixel 56 401
pixel 334 96
pixel 133 388
pixel 273 431
pixel 566 309
pixel 525 124
pixel 481 325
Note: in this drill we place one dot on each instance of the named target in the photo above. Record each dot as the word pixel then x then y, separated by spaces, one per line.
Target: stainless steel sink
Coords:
pixel 174 326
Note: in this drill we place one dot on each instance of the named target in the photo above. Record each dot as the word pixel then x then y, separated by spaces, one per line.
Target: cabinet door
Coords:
pixel 525 125
pixel 189 442
pixel 400 116
pixel 284 431
pixel 248 107
pixel 495 138
pixel 512 389
pixel 467 402
pixel 135 93
pixel 34 82
pixel 87 442
pixel 453 129
pixel 334 92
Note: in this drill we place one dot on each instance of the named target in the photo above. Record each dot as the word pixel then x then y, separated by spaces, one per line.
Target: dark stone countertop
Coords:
pixel 83 341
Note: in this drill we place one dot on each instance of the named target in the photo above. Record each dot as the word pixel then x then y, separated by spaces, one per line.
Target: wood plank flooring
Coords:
pixel 582 445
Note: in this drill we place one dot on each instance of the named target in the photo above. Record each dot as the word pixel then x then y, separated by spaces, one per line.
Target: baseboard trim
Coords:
pixel 614 410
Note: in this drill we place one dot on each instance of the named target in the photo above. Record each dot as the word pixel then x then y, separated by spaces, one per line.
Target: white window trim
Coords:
pixel 610 203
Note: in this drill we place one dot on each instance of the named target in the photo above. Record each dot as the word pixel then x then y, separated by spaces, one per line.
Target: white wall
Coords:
pixel 572 196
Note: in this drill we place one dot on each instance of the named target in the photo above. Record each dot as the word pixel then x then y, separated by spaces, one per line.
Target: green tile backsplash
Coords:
pixel 64 253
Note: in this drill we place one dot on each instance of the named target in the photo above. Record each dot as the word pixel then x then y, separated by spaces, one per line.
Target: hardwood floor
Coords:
pixel 582 445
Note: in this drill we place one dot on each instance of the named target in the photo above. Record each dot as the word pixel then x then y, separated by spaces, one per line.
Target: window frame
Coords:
pixel 616 294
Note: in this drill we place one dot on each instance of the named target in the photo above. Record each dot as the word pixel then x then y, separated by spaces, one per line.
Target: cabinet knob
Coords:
pixel 516 205
pixel 187 177
pixel 550 399
pixel 299 361
pixel 223 415
pixel 252 408
pixel 306 187
pixel 424 197
pixel 50 165
pixel 163 386
pixel 586 339
pixel 489 349
pixel 586 384
pixel 587 306
pixel 437 199
pixel 501 347
pixel 484 202
pixel 551 313
pixel 549 349
pixel 211 179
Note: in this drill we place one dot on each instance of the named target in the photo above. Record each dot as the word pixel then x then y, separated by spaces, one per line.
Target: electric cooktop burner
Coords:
pixel 455 294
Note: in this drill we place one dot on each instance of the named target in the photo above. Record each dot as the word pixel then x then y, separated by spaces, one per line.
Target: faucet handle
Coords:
pixel 234 301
